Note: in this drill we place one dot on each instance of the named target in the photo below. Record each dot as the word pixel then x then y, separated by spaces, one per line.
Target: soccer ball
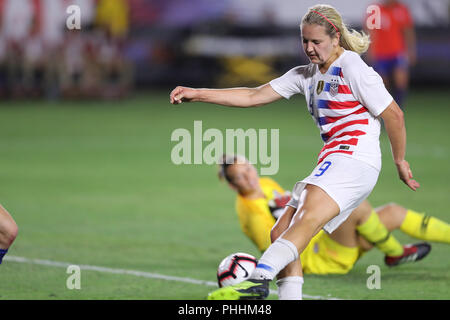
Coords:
pixel 235 268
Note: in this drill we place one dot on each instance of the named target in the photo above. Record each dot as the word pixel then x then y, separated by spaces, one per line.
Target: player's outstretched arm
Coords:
pixel 233 97
pixel 395 128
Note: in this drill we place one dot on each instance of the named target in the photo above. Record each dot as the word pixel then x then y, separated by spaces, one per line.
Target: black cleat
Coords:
pixel 411 253
pixel 247 290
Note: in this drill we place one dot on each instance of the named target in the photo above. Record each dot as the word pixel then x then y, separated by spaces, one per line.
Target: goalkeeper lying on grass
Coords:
pixel 260 203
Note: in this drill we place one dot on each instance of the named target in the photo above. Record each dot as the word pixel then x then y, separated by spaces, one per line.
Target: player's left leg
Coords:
pixel 8 231
pixel 290 279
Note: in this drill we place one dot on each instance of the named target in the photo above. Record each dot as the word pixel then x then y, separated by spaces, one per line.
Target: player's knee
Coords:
pixel 8 233
pixel 391 208
pixel 392 215
pixel 311 220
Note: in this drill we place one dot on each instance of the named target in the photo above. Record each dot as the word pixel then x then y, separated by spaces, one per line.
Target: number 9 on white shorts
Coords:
pixel 348 181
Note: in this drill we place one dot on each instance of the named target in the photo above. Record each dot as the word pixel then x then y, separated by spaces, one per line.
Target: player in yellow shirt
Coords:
pixel 260 202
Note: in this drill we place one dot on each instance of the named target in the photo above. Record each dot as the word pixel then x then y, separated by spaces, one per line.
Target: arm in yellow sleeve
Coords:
pixel 256 222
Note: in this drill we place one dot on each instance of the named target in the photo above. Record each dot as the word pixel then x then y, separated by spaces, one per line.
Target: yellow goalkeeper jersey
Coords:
pixel 254 215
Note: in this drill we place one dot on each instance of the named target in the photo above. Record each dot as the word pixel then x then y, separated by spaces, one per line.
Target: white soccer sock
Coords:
pixel 275 258
pixel 290 288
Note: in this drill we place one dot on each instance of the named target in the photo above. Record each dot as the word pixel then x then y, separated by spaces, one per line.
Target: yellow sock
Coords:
pixel 421 226
pixel 377 233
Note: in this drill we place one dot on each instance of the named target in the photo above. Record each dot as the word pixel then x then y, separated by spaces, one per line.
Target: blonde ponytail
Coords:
pixel 354 40
pixel 329 17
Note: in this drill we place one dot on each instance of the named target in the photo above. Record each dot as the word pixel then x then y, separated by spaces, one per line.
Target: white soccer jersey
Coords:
pixel 344 102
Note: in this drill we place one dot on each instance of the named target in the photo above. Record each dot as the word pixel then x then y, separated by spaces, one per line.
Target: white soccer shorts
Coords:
pixel 348 181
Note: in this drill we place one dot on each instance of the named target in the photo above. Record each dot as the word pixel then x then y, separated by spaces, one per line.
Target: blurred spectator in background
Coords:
pixel 111 29
pixel 126 44
pixel 144 12
pixel 114 70
pixel 40 56
pixel 94 65
pixel 3 68
pixel 393 47
pixel 16 26
pixel 78 73
pixel 33 62
pixel 51 24
pixel 113 17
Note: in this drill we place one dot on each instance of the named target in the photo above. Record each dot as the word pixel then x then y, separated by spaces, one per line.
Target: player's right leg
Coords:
pixel 8 231
pixel 318 209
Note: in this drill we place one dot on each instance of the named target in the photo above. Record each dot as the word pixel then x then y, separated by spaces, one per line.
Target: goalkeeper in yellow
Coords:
pixel 260 203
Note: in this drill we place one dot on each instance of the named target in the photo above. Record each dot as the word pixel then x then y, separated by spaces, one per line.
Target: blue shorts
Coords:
pixel 385 66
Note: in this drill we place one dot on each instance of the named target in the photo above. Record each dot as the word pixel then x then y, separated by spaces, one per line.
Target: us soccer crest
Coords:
pixel 334 87
pixel 320 86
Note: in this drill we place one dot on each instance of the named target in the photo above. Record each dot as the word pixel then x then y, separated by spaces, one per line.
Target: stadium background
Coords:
pixel 85 128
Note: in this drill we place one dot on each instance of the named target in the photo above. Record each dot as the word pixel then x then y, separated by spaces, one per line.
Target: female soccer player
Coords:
pixel 345 98
pixel 260 200
pixel 8 231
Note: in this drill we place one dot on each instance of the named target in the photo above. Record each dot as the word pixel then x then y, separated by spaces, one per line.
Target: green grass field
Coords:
pixel 92 183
